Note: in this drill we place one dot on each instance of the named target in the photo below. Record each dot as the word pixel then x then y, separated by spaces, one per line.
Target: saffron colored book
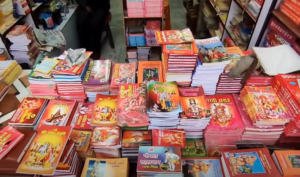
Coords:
pixel 98 72
pixel 81 139
pixel 45 150
pixel 174 138
pixel 123 73
pixel 96 167
pixel 150 71
pixel 181 49
pixel 56 113
pixel 136 138
pixel 28 112
pixel 203 167
pixel 132 106
pixel 106 136
pixel 193 103
pixel 154 159
pixel 174 36
pixel 224 114
pixel 194 148
pixel 288 162
pixel 83 116
pixel 9 138
pixel 105 110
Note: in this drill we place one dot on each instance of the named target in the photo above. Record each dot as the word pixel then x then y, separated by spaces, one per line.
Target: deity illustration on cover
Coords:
pixel 105 110
pixel 106 136
pixel 174 138
pixel 150 74
pixel 136 138
pixel 96 168
pixel 294 160
pixel 245 163
pixel 98 72
pixel 204 167
pixel 123 73
pixel 83 116
pixel 163 97
pixel 193 148
pixel 132 109
pixel 81 139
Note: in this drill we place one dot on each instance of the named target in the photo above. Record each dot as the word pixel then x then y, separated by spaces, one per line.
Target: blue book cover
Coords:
pixel 204 167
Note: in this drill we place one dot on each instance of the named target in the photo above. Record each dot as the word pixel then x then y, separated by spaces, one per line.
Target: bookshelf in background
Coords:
pixel 140 20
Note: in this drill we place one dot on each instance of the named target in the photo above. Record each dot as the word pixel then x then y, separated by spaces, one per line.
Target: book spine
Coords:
pixel 286 11
pixel 292 7
pixel 270 37
pixel 282 31
pixel 296 3
pixel 296 47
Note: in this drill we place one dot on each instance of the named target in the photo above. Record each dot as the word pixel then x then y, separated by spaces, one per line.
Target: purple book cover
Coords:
pixel 98 72
pixel 159 159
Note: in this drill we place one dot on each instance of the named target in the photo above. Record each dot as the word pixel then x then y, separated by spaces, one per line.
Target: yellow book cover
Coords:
pixel 105 167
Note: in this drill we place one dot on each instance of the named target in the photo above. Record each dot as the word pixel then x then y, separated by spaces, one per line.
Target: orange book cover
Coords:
pixel 150 70
pixel 293 7
pixel 45 150
pixel 286 11
pixel 174 36
pixel 81 139
pixel 288 161
pixel 182 49
pixel 57 113
pixel 135 138
pixel 105 110
pixel 296 3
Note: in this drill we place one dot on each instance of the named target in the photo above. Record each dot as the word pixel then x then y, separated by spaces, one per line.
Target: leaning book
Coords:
pixel 98 72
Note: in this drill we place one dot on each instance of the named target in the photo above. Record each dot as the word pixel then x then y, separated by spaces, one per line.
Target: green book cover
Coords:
pixel 194 148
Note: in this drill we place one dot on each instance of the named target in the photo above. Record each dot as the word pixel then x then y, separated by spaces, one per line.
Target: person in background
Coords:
pixel 91 20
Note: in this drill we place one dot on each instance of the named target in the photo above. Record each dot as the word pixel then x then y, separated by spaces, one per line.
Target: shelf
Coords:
pixel 218 12
pixel 245 9
pixel 287 22
pixel 36 6
pixel 234 38
pixel 126 17
pixel 8 25
pixel 68 16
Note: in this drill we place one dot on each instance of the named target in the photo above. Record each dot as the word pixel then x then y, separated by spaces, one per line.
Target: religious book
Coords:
pixel 174 36
pixel 134 139
pixel 150 71
pixel 45 151
pixel 194 148
pixel 106 136
pixel 98 72
pixel 123 73
pixel 81 139
pixel 193 103
pixel 28 112
pixel 82 117
pixel 287 161
pixel 203 166
pixel 132 106
pixel 105 167
pixel 188 49
pixel 154 159
pixel 174 138
pixel 9 138
pixel 105 110
pixel 56 113
pixel 67 151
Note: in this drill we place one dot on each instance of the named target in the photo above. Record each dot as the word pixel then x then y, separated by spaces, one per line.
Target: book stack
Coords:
pixel 225 126
pixel 287 88
pixel 106 141
pixel 163 105
pixel 254 162
pixel 268 135
pixel 24 47
pixel 179 55
pixel 287 162
pixel 122 73
pixel 135 8
pixel 150 28
pixel 136 36
pixel 213 60
pixel 132 140
pixel 259 80
pixel 157 161
pixel 81 139
pixel 10 137
pixel 227 84
pixel 290 8
pixel 195 114
pixel 154 8
pixel 132 55
pixel 143 53
pixel 97 78
pixel 214 165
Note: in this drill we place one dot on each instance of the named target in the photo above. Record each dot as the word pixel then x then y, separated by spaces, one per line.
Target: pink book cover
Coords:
pixel 224 113
pixel 123 73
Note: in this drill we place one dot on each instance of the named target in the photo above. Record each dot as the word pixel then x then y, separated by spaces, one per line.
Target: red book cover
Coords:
pixel 123 73
pixel 83 116
pixel 132 106
pixel 136 138
pixel 175 138
pixel 81 139
pixel 183 49
pixel 28 111
pixel 296 47
pixel 56 113
pixel 9 137
pixel 229 42
pixel 224 113
pixel 249 162
pixel 281 30
pixel 272 40
pixel 45 151
pixel 290 5
pixel 296 3
pixel 105 110
pixel 174 36
pixel 286 11
pixel 106 136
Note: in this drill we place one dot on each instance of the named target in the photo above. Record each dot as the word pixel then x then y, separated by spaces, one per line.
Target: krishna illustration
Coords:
pixel 164 99
pixel 221 114
pixel 106 114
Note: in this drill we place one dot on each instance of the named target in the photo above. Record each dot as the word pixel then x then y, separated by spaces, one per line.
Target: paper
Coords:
pixel 50 38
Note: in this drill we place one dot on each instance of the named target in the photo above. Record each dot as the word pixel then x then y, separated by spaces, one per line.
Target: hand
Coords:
pixel 88 9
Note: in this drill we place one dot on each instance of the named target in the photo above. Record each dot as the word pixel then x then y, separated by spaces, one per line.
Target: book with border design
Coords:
pixel 105 110
pixel 174 36
pixel 123 73
pixel 150 70
pixel 194 148
pixel 287 161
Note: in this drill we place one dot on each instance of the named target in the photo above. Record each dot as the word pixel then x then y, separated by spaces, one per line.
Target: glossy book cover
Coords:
pixel 224 114
pixel 98 72
pixel 203 167
pixel 174 138
pixel 288 160
pixel 291 82
pixel 135 138
pixel 56 113
pixel 106 136
pixel 105 110
pixel 163 97
pixel 132 106
pixel 81 139
pixel 123 73
pixel 150 71
pixel 193 103
pixel 45 150
pixel 83 116
pixel 174 36
pixel 28 111
pixel 159 159
pixel 194 147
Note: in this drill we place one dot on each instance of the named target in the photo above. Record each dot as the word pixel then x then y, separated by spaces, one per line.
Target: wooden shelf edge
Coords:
pixel 287 22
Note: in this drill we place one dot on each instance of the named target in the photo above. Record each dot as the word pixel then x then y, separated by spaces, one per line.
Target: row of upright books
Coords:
pixel 145 8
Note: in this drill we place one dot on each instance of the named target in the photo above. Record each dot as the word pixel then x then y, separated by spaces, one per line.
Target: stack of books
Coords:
pixel 132 140
pixel 213 60
pixel 287 162
pixel 10 137
pixel 153 160
pixel 163 105
pixel 154 8
pixel 225 126
pixel 150 28
pixel 259 80
pixel 195 115
pixel 291 8
pixel 122 73
pixel 268 135
pixel 136 36
pixel 135 8
pixel 132 55
pixel 143 53
pixel 24 47
pixel 106 141
pixel 97 78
